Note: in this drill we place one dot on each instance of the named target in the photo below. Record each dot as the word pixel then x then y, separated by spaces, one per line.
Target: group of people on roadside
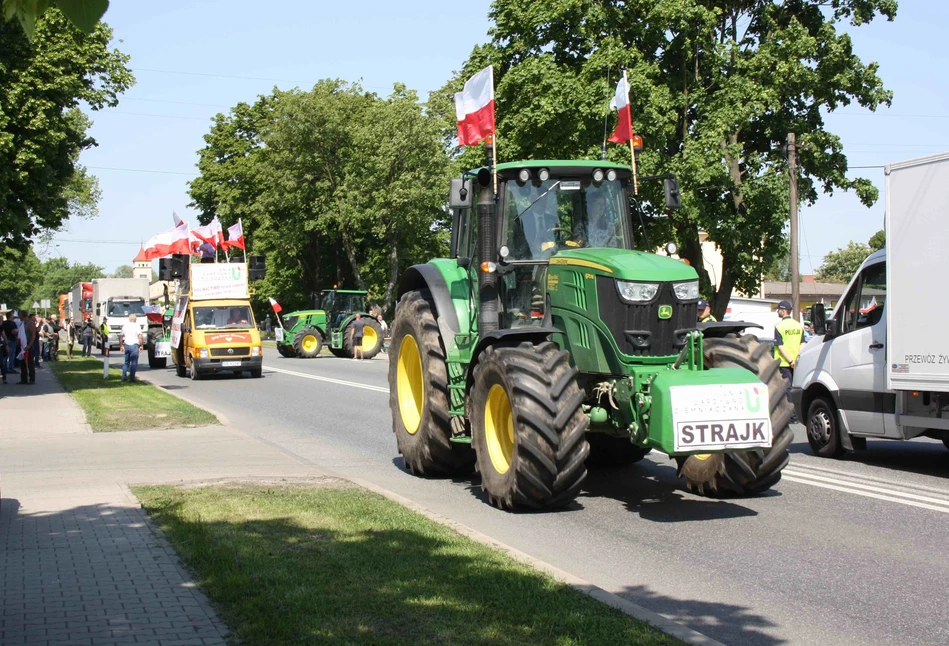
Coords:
pixel 26 341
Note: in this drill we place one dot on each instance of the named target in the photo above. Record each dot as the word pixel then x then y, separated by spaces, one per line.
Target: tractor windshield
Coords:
pixel 546 217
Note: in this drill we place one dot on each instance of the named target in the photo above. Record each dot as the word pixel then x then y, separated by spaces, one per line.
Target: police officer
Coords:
pixel 705 312
pixel 788 337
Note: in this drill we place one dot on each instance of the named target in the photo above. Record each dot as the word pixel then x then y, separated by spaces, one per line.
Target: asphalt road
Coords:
pixel 850 551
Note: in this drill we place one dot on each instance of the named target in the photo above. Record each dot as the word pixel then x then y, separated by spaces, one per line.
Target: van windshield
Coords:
pixel 223 317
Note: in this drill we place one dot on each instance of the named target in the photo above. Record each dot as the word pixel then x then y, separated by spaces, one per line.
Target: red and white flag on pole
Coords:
pixel 474 108
pixel 620 103
pixel 276 306
pixel 211 233
pixel 178 220
pixel 177 240
pixel 235 236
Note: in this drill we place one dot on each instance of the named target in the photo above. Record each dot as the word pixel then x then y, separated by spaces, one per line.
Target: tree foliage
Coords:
pixel 123 271
pixel 716 87
pixel 877 240
pixel 336 186
pixel 42 129
pixel 84 14
pixel 57 276
pixel 20 273
pixel 840 266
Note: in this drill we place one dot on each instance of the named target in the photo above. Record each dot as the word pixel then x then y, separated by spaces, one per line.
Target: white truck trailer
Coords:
pixel 881 367
pixel 116 299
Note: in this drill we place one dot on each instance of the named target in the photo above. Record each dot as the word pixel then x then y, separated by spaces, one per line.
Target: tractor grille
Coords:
pixel 230 352
pixel 638 330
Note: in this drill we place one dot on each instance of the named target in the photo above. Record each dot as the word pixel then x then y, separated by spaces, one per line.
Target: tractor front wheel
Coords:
pixel 528 429
pixel 418 391
pixel 749 472
pixel 307 343
pixel 286 351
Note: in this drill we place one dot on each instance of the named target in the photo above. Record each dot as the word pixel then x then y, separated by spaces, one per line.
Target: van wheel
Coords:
pixel 823 430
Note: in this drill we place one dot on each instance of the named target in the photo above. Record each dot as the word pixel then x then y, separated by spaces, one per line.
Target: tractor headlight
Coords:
pixel 255 351
pixel 686 291
pixel 611 175
pixel 543 174
pixel 524 176
pixel 636 292
pixel 203 353
pixel 598 175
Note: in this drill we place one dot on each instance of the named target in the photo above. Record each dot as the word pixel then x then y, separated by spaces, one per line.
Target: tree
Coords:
pixel 58 275
pixel 84 14
pixel 716 88
pixel 878 240
pixel 336 186
pixel 42 130
pixel 779 267
pixel 123 271
pixel 840 266
pixel 20 272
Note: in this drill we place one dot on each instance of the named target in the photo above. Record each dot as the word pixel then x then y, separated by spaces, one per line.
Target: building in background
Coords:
pixel 142 267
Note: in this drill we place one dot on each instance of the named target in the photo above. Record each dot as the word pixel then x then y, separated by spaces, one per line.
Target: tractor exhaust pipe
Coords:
pixel 487 248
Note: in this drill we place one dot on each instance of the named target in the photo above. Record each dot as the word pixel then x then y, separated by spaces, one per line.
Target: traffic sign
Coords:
pixel 45 303
pixel 35 305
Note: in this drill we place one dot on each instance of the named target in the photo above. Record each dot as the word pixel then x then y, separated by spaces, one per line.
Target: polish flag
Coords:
pixel 872 305
pixel 174 216
pixel 276 306
pixel 175 240
pixel 474 108
pixel 235 236
pixel 620 103
pixel 211 233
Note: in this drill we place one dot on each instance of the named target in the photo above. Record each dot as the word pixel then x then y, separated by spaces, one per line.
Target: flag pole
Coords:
pixel 632 148
pixel 494 148
pixel 240 221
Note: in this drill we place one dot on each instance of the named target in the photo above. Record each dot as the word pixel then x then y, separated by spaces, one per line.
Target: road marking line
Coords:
pixel 340 382
pixel 856 485
pixel 867 494
pixel 857 476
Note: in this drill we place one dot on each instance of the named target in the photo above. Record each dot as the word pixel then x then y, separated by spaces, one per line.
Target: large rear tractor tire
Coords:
pixel 307 343
pixel 418 392
pixel 371 339
pixel 750 472
pixel 180 369
pixel 528 429
pixel 612 451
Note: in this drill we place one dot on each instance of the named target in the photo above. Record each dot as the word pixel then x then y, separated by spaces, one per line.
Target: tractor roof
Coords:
pixel 346 291
pixel 560 167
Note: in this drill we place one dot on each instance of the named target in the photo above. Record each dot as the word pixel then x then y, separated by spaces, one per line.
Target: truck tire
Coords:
pixel 307 343
pixel 418 392
pixel 180 370
pixel 372 333
pixel 286 351
pixel 823 429
pixel 527 426
pixel 749 472
pixel 611 451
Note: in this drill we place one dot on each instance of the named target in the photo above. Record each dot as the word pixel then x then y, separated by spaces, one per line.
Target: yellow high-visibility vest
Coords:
pixel 792 335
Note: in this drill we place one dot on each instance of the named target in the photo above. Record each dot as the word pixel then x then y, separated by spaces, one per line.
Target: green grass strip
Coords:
pixel 340 565
pixel 113 405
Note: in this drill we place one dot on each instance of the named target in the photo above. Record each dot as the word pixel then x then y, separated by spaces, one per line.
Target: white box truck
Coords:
pixel 116 299
pixel 881 367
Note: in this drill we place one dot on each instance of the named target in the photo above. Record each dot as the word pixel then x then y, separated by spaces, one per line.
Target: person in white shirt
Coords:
pixel 130 340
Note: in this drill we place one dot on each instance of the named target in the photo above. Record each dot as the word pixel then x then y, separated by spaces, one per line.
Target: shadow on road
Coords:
pixel 921 456
pixel 655 493
pixel 725 622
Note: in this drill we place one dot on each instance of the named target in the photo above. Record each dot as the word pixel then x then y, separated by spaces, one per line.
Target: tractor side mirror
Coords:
pixel 460 197
pixel 670 187
pixel 819 319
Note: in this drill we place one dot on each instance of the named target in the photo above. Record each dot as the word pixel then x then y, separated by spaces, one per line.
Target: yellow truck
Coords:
pixel 213 328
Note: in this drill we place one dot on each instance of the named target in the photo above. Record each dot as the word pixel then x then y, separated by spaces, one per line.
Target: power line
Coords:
pixel 891 114
pixel 143 170
pixel 202 105
pixel 92 241
pixel 242 78
pixel 161 116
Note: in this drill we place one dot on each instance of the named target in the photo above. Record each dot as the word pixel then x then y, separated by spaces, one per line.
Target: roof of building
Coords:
pixel 141 255
pixel 773 290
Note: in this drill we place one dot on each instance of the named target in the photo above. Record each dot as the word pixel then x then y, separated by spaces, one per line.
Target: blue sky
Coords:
pixel 187 56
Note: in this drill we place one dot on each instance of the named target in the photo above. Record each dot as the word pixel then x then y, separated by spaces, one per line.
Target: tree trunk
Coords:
pixel 723 295
pixel 351 256
pixel 393 269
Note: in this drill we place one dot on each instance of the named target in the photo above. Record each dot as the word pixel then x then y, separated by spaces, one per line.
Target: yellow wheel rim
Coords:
pixel 499 428
pixel 702 456
pixel 309 343
pixel 409 381
pixel 370 338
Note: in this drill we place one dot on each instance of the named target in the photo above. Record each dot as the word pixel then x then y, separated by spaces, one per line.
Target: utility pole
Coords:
pixel 795 260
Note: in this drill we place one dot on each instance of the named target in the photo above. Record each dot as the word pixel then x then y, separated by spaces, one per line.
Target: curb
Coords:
pixel 220 416
pixel 654 619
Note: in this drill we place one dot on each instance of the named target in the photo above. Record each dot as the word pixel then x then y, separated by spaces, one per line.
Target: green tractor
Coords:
pixel 158 341
pixel 305 332
pixel 545 343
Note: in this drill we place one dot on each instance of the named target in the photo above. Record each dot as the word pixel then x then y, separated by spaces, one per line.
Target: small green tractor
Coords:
pixel 158 342
pixel 305 332
pixel 545 343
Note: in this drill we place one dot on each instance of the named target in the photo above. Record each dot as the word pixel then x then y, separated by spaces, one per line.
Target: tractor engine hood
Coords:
pixel 624 264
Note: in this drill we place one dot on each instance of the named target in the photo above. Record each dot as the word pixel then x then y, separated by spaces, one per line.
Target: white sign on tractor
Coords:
pixel 721 416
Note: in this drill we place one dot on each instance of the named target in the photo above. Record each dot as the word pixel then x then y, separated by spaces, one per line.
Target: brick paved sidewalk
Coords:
pixel 80 563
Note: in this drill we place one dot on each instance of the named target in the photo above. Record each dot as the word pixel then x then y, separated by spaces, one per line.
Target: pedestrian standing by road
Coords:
pixel 788 337
pixel 105 331
pixel 385 332
pixel 705 312
pixel 35 343
pixel 355 335
pixel 26 335
pixel 9 330
pixel 130 340
pixel 88 330
pixel 68 337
